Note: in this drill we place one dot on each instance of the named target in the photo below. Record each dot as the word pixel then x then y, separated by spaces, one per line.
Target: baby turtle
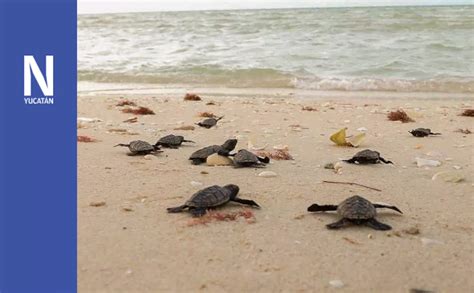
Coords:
pixel 201 155
pixel 355 210
pixel 209 122
pixel 422 132
pixel 211 197
pixel 140 147
pixel 244 158
pixel 171 141
pixel 367 157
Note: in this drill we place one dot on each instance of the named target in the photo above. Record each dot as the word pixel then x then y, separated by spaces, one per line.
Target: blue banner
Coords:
pixel 38 69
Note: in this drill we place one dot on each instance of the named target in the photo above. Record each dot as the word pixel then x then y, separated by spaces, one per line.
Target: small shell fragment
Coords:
pixel 336 283
pixel 267 174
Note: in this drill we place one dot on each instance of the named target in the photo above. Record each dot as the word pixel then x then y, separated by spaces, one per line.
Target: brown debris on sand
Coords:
pixel 84 138
pixel 207 114
pixel 463 131
pixel 214 216
pixel 131 120
pixel 468 113
pixel 97 204
pixel 125 103
pixel 185 127
pixel 309 108
pixel 211 103
pixel 139 111
pixel 192 97
pixel 275 154
pixel 399 115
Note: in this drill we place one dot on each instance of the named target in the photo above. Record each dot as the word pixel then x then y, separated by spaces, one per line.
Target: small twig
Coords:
pixel 351 183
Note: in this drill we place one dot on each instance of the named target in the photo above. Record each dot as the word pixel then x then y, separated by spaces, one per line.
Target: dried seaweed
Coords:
pixel 125 103
pixel 83 138
pixel 192 97
pixel 139 111
pixel 214 216
pixel 468 113
pixel 399 115
pixel 275 154
pixel 207 114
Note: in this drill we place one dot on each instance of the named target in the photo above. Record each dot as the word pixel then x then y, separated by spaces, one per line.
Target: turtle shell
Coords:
pixel 367 155
pixel 421 132
pixel 209 197
pixel 356 208
pixel 173 140
pixel 244 157
pixel 205 152
pixel 139 146
pixel 209 122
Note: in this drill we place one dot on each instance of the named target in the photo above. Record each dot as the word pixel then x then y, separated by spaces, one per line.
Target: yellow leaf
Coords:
pixel 339 137
pixel 356 140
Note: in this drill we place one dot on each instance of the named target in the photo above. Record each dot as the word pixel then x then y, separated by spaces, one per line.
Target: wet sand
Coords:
pixel 131 244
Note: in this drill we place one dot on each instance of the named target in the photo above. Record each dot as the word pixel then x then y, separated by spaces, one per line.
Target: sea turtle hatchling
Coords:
pixel 140 147
pixel 367 157
pixel 211 197
pixel 201 155
pixel 244 158
pixel 209 122
pixel 171 141
pixel 355 210
pixel 422 132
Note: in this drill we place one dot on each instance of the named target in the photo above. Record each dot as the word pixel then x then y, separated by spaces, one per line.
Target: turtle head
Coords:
pixel 229 144
pixel 122 145
pixel 234 190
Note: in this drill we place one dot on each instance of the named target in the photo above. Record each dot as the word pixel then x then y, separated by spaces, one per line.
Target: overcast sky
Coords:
pixel 114 6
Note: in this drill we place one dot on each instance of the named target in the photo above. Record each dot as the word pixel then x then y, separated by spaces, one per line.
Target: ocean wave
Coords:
pixel 271 78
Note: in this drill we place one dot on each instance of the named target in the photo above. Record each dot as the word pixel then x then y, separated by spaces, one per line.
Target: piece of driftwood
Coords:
pixel 351 183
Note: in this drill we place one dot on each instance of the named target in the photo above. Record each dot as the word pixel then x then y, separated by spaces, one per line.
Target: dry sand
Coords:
pixel 287 249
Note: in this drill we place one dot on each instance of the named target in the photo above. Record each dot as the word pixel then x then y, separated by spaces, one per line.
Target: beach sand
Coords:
pixel 131 244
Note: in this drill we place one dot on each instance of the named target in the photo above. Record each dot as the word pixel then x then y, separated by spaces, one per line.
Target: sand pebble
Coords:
pixel 412 231
pixel 336 283
pixel 449 176
pixel 428 241
pixel 457 167
pixel 88 120
pixel 128 272
pixel 370 236
pixel 267 174
pixel 363 129
pixel 420 162
pixel 97 204
pixel 329 166
pixel 217 160
pixel 149 157
pixel 196 183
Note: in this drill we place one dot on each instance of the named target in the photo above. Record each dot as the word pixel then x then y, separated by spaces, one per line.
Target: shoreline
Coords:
pixel 107 89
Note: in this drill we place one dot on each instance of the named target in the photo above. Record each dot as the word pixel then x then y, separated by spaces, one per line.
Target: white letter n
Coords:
pixel 30 65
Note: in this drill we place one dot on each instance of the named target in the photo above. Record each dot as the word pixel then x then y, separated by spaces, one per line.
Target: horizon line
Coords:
pixel 281 8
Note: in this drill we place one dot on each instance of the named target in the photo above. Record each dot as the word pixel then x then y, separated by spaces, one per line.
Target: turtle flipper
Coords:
pixel 245 201
pixel 177 209
pixel 339 224
pixel 187 140
pixel 374 224
pixel 435 133
pixel 385 161
pixel 388 207
pixel 197 161
pixel 265 160
pixel 350 161
pixel 321 208
pixel 198 212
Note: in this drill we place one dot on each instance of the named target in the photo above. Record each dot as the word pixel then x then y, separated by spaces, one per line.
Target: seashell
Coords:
pixel 217 160
pixel 267 174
